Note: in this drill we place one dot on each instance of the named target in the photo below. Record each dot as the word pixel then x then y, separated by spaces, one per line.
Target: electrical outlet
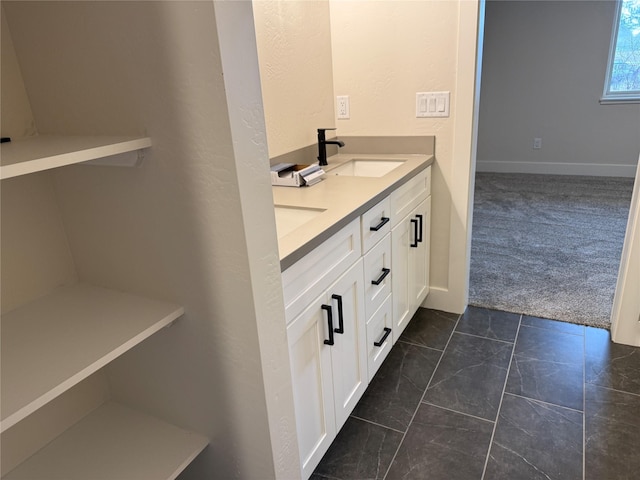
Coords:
pixel 342 104
pixel 537 143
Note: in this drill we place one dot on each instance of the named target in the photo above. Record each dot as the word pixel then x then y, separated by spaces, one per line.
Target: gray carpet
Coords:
pixel 548 245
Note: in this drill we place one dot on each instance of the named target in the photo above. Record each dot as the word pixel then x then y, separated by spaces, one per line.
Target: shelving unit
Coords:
pixel 54 342
pixel 63 344
pixel 44 152
pixel 114 442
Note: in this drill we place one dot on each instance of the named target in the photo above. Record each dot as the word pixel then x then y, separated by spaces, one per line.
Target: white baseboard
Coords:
pixel 553 168
pixel 442 299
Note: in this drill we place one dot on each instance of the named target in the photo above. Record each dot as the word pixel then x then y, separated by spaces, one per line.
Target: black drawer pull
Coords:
pixel 415 232
pixel 384 221
pixel 419 238
pixel 340 328
pixel 330 321
pixel 387 331
pixel 385 272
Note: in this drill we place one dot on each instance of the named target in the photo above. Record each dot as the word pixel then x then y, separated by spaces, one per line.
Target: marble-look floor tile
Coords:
pixel 553 325
pixel 548 365
pixel 612 434
pixel 611 364
pixel 489 324
pixel 471 375
pixel 441 444
pixel 554 346
pixel 431 328
pixel 360 451
pixel 552 382
pixel 395 391
pixel 534 441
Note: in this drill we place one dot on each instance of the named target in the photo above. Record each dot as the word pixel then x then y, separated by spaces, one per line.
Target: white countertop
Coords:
pixel 343 198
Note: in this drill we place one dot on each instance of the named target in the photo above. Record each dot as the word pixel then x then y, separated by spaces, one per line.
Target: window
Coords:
pixel 623 72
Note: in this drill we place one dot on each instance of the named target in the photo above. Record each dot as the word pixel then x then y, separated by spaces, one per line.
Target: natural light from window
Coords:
pixel 623 72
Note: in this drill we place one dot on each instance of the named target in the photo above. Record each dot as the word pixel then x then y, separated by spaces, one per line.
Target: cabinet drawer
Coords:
pixel 313 273
pixel 376 331
pixel 375 224
pixel 408 196
pixel 377 268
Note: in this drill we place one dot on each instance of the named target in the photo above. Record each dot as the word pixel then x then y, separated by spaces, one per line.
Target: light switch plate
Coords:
pixel 432 104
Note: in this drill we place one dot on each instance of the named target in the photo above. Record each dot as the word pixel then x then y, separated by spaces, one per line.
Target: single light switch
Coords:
pixel 441 103
pixel 432 104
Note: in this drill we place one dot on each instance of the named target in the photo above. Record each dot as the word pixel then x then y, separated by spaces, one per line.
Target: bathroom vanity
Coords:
pixel 354 252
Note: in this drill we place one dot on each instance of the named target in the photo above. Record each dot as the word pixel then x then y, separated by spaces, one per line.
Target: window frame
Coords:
pixel 609 97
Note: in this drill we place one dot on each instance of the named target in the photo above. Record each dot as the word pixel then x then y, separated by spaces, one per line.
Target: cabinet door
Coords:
pixel 312 383
pixel 419 257
pixel 348 354
pixel 402 236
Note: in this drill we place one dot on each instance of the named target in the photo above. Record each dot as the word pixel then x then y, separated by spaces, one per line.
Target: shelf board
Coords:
pixel 54 342
pixel 114 442
pixel 43 152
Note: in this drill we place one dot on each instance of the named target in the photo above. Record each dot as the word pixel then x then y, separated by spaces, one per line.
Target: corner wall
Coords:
pixel 383 53
pixel 294 53
pixel 543 75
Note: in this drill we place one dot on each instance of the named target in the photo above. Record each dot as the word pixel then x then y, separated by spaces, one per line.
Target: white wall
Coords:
pixel 294 51
pixel 625 315
pixel 543 75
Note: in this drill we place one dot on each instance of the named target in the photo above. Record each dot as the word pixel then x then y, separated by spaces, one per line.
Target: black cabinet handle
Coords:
pixel 385 272
pixel 387 331
pixel 383 222
pixel 419 237
pixel 415 232
pixel 330 320
pixel 340 328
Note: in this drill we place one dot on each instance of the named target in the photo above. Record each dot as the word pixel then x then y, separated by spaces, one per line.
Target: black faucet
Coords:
pixel 322 145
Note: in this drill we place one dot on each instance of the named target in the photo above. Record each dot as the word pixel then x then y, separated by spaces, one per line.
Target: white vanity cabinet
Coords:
pixel 326 343
pixel 410 242
pixel 346 303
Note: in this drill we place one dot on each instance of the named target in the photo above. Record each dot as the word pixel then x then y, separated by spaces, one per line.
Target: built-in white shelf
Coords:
pixel 43 152
pixel 114 442
pixel 54 342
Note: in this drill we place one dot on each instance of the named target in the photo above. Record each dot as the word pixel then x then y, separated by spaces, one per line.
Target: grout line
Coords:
pixel 486 338
pixel 584 406
pixel 421 398
pixel 557 331
pixel 612 389
pixel 543 402
pixel 376 424
pixel 504 387
pixel 419 345
pixel 456 411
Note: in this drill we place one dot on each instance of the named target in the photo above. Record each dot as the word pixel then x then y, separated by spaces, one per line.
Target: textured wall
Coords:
pixel 16 119
pixel 543 75
pixel 294 52
pixel 383 53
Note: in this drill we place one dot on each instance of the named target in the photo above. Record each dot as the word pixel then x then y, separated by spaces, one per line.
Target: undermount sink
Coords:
pixel 289 218
pixel 360 167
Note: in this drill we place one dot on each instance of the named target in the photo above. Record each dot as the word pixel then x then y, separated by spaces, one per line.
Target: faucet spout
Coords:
pixel 322 145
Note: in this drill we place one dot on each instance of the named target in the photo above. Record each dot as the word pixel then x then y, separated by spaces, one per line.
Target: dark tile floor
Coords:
pixel 495 395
